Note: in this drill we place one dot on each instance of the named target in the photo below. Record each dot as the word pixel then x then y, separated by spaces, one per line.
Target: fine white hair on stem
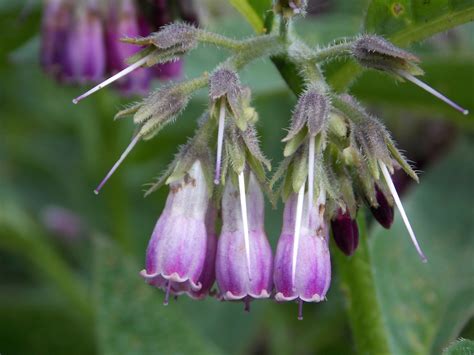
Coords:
pixel 243 209
pixel 296 239
pixel 391 186
pixel 310 174
pixel 432 91
pixel 220 141
pixel 113 78
pixel 117 164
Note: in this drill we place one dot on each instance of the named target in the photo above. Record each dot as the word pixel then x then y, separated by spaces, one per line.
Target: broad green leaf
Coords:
pixel 425 306
pixel 130 316
pixel 460 347
pixel 407 21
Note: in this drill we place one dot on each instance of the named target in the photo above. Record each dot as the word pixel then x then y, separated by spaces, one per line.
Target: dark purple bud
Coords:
pixel 345 232
pixel 56 21
pixel 177 250
pixel 123 21
pixel 84 59
pixel 243 271
pixel 384 213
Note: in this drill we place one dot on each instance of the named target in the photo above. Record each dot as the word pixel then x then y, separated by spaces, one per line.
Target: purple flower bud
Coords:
pixel 345 232
pixel 235 279
pixel 84 58
pixel 123 21
pixel 313 264
pixel 56 20
pixel 384 213
pixel 177 250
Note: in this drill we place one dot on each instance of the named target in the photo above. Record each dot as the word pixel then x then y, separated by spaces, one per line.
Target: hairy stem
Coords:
pixel 358 284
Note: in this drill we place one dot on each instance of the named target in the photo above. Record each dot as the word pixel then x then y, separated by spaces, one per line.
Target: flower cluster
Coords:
pixel 80 41
pixel 337 158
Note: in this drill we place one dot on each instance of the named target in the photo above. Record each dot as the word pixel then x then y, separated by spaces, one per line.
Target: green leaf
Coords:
pixel 425 306
pixel 460 347
pixel 407 21
pixel 130 316
pixel 253 11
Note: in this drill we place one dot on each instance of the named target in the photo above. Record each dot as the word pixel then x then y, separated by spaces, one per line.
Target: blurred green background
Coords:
pixel 82 294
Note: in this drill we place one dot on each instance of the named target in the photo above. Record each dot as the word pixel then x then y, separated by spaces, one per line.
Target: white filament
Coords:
pixel 296 240
pixel 117 164
pixel 432 91
pixel 311 174
pixel 220 141
pixel 394 192
pixel 243 209
pixel 113 78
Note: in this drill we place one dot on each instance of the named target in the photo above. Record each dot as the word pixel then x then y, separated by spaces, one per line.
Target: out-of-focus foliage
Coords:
pixel 78 296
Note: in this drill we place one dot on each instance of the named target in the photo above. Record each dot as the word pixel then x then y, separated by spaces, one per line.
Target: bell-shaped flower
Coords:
pixel 177 249
pixel 57 17
pixel 243 266
pixel 303 276
pixel 124 21
pixel 85 57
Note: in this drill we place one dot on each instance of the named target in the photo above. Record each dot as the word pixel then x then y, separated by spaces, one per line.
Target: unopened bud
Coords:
pixel 345 232
pixel 384 213
pixel 376 52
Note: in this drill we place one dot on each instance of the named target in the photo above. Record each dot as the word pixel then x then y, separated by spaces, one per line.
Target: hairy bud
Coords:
pixel 177 36
pixel 312 110
pixel 376 52
pixel 223 82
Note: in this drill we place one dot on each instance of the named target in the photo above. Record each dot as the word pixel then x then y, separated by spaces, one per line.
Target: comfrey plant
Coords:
pixel 337 158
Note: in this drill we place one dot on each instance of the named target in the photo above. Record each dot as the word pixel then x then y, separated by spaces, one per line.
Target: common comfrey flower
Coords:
pixel 302 268
pixel 56 20
pixel 337 157
pixel 373 155
pixel 244 256
pixel 123 20
pixel 84 51
pixel 177 250
pixel 375 52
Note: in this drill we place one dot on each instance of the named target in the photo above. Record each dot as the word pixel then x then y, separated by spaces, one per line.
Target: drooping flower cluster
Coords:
pixel 80 41
pixel 337 158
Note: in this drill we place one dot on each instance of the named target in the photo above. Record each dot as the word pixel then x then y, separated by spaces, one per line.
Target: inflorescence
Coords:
pixel 337 158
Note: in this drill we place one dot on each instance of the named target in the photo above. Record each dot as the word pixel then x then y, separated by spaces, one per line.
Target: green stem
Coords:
pixel 358 284
pixel 332 52
pixel 219 40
